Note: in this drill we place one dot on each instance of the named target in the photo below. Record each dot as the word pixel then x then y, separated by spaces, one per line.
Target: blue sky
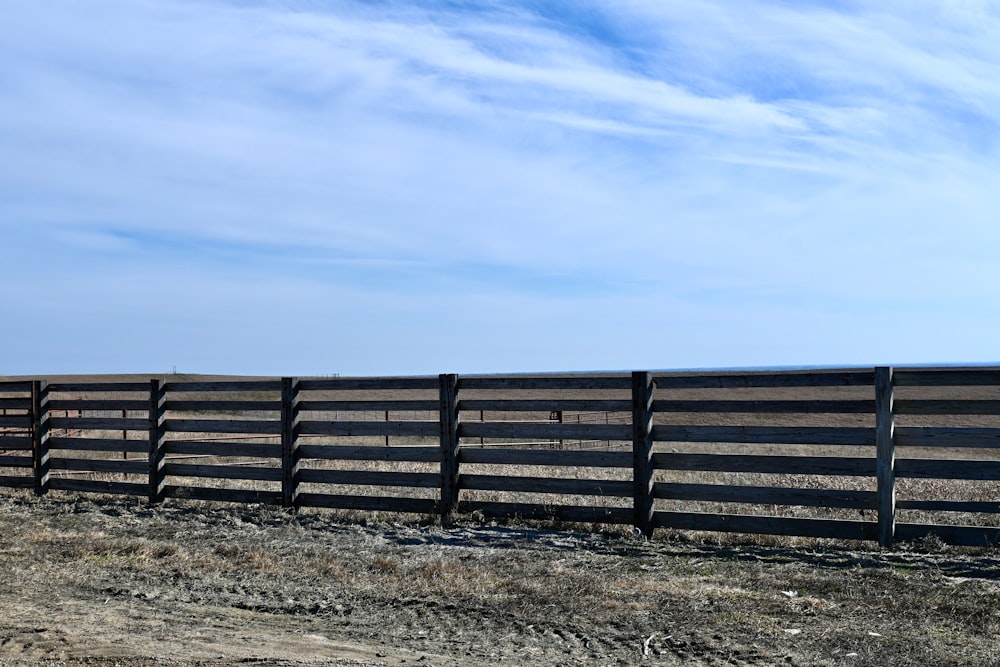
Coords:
pixel 308 187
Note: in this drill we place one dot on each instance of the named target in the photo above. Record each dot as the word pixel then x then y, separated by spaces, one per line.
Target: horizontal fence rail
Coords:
pixel 854 454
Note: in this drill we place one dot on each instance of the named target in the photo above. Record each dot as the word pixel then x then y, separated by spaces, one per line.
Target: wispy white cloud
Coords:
pixel 799 165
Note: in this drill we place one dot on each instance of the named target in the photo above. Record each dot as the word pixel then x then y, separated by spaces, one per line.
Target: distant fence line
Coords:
pixel 292 469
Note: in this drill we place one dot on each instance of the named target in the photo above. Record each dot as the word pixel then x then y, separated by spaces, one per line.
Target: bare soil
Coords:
pixel 112 581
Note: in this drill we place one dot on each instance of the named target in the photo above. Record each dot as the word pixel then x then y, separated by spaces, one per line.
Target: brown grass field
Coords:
pixel 100 580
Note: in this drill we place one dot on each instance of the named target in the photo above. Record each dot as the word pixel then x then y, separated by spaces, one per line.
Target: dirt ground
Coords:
pixel 112 581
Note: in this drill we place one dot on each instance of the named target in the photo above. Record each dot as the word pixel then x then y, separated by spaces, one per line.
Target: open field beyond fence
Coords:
pixel 861 454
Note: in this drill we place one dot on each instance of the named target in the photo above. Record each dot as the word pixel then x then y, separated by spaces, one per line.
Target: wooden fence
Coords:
pixel 845 454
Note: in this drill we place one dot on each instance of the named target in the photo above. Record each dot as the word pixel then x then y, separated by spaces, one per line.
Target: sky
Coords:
pixel 313 187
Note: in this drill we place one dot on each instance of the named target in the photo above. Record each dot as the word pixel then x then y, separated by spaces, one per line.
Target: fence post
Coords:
pixel 885 453
pixel 40 435
pixel 289 442
pixel 642 451
pixel 449 443
pixel 157 439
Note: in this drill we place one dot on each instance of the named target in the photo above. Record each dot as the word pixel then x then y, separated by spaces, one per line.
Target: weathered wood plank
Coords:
pixel 370 478
pixel 791 465
pixel 965 536
pixel 448 443
pixel 766 495
pixel 642 452
pixel 16 461
pixel 369 503
pixel 17 482
pixel 223 386
pixel 235 426
pixel 289 441
pixel 222 471
pixel 534 511
pixel 946 407
pixel 768 525
pixel 94 404
pixel 580 487
pixel 347 453
pixel 948 469
pixel 98 423
pixel 244 496
pixel 156 439
pixel 521 383
pixel 100 465
pixel 368 406
pixel 766 407
pixel 40 435
pixel 545 405
pixel 98 445
pixel 370 384
pixel 545 457
pixel 222 448
pixel 97 486
pixel 362 428
pixel 885 455
pixel 928 436
pixel 97 387
pixel 947 377
pixel 215 407
pixel 980 507
pixel 545 431
pixel 18 443
pixel 863 378
pixel 776 435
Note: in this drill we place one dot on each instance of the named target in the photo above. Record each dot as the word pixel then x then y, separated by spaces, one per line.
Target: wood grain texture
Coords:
pixel 370 384
pixel 791 465
pixel 766 495
pixel 948 469
pixel 349 453
pixel 576 513
pixel 235 426
pixel 222 471
pixel 522 383
pixel 16 461
pixel 369 503
pixel 222 448
pixel 776 435
pixel 768 525
pixel 765 407
pixel 255 386
pixel 862 378
pixel 368 406
pixel 17 481
pixel 97 486
pixel 545 405
pixel 99 423
pixel 927 436
pixel 424 480
pixel 98 445
pixel 581 487
pixel 100 465
pixel 545 431
pixel 243 496
pixel 364 428
pixel 967 536
pixel 545 457
pixel 982 377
